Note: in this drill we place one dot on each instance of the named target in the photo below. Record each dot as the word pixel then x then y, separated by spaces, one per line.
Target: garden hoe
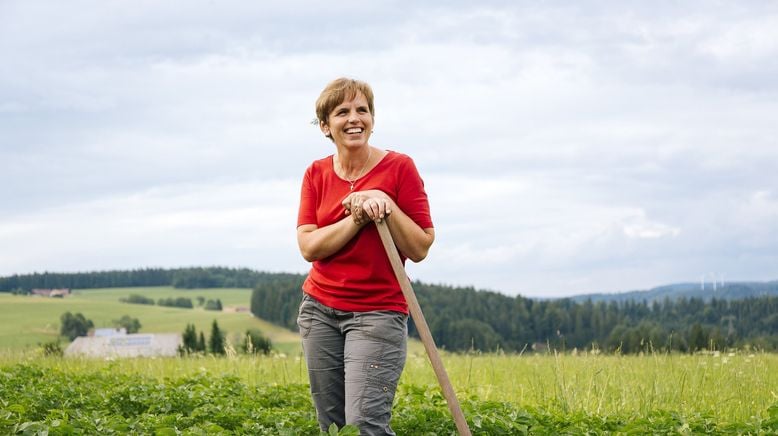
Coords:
pixel 423 328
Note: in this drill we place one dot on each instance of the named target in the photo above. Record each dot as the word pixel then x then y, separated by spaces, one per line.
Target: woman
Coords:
pixel 353 317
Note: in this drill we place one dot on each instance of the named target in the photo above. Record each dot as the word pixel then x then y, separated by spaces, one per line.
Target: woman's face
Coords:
pixel 350 123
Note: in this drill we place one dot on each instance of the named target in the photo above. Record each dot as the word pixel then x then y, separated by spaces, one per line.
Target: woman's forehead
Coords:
pixel 357 97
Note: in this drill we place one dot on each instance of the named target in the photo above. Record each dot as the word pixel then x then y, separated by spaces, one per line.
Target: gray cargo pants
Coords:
pixel 354 362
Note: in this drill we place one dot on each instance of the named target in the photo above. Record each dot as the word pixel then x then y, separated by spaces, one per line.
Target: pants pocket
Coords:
pixel 378 395
pixel 385 326
pixel 305 316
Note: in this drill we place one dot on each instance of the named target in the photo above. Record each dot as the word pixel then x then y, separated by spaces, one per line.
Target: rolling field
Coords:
pixel 26 321
pixel 583 393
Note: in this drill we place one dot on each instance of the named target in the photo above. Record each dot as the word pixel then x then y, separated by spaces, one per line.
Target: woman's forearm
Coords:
pixel 411 240
pixel 318 243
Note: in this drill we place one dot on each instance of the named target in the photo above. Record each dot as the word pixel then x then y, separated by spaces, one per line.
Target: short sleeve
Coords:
pixel 307 212
pixel 412 198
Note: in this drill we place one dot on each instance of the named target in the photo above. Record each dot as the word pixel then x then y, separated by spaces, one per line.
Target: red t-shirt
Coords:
pixel 359 277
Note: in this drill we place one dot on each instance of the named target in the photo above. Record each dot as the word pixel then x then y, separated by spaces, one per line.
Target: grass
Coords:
pixel 27 321
pixel 729 388
pixel 721 389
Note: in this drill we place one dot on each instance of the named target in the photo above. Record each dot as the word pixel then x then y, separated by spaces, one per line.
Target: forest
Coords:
pixel 463 318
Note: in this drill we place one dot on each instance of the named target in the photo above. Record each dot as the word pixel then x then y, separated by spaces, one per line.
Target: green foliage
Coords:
pixel 216 340
pixel 73 326
pixel 189 340
pixel 187 278
pixel 461 319
pixel 137 299
pixel 182 302
pixel 201 343
pixel 348 430
pixel 132 325
pixel 255 342
pixel 278 301
pixel 213 305
pixel 52 348
pixel 38 401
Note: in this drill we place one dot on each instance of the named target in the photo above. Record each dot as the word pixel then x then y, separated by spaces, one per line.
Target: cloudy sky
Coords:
pixel 567 147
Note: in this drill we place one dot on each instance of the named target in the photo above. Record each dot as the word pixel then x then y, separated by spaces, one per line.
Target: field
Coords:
pixel 583 393
pixel 27 321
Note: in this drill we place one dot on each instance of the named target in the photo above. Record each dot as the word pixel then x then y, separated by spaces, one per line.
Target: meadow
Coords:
pixel 567 393
pixel 26 321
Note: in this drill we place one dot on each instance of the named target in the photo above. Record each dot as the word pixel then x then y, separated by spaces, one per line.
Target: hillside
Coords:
pixel 26 321
pixel 729 291
pixel 463 318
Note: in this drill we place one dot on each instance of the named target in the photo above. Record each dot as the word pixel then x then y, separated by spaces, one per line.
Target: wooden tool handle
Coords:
pixel 423 328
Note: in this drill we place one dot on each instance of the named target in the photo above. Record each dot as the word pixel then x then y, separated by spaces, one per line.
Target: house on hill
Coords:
pixel 124 345
pixel 121 331
pixel 64 292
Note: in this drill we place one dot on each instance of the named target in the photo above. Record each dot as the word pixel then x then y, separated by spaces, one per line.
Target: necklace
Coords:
pixel 361 171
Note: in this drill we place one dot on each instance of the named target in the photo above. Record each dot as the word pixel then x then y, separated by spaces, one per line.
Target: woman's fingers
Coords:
pixel 362 207
pixel 376 208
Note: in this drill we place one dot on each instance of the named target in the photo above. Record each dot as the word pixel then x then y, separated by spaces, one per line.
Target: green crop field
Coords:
pixel 582 393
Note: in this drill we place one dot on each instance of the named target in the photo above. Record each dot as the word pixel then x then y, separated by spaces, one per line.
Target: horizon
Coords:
pixel 452 285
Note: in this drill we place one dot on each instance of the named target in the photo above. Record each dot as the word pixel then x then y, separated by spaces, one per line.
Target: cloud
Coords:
pixel 565 147
pixel 242 224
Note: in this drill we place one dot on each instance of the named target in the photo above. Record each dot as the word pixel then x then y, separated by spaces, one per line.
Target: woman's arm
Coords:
pixel 411 240
pixel 318 243
pixel 374 205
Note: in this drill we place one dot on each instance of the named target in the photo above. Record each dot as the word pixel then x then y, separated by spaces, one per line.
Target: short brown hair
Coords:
pixel 338 91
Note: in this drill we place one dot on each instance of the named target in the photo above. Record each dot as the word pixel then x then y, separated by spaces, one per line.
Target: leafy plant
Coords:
pixel 52 348
pixel 34 400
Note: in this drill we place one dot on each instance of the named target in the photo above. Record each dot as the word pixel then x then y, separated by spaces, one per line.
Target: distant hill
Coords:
pixel 729 291
pixel 743 315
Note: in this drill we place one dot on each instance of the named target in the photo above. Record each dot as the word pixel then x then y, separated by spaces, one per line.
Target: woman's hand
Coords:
pixel 365 206
pixel 375 205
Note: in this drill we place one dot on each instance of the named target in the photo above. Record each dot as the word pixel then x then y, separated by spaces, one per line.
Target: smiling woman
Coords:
pixel 353 317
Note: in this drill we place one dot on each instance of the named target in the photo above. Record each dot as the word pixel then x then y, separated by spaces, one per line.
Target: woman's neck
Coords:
pixel 353 161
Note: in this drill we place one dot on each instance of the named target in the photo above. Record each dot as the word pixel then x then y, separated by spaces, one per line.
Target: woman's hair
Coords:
pixel 338 91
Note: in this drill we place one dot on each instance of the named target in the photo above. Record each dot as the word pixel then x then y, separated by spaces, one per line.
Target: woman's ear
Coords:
pixel 325 128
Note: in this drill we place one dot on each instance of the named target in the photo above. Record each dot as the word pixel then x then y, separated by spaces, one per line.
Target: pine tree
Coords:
pixel 189 339
pixel 201 343
pixel 216 341
pixel 255 342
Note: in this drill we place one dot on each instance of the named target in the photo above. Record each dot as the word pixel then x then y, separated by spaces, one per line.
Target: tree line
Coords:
pixel 180 302
pixel 184 278
pixel 252 342
pixel 462 318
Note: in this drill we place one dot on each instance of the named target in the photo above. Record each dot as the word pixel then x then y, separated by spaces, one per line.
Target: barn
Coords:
pixel 51 292
pixel 133 345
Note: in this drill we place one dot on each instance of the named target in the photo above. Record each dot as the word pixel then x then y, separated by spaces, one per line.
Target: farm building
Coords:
pixel 110 332
pixel 51 292
pixel 236 309
pixel 134 345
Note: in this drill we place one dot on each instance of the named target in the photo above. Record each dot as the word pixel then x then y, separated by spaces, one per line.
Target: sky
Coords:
pixel 566 147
